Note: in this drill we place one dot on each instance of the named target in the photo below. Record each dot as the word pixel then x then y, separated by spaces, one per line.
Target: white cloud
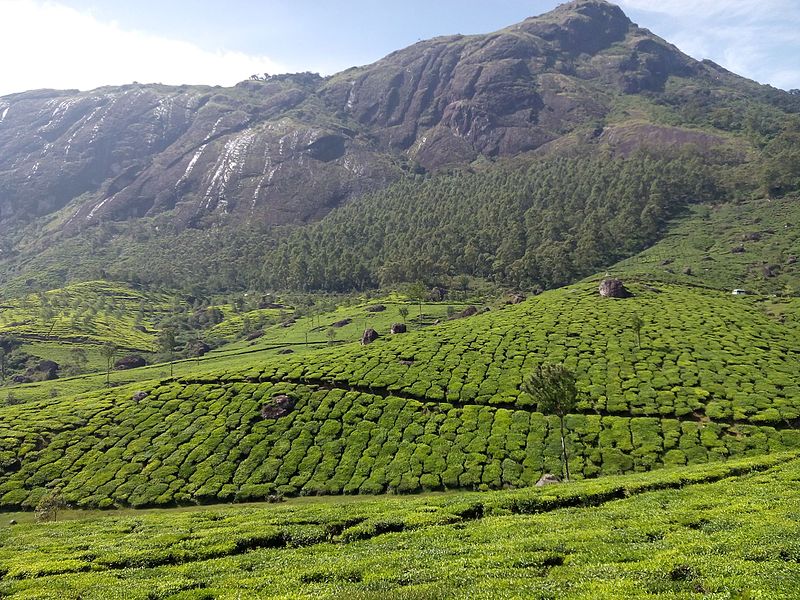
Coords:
pixel 758 39
pixel 46 44
pixel 704 9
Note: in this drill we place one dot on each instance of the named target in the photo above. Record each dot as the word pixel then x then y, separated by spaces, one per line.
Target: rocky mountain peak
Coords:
pixel 289 148
pixel 583 26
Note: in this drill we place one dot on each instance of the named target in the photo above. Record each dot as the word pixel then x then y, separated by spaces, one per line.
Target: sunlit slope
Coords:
pixel 91 313
pixel 752 245
pixel 438 409
pixel 701 352
pixel 726 530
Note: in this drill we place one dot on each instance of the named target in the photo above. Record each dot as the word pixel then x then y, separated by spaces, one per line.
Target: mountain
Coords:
pixel 288 149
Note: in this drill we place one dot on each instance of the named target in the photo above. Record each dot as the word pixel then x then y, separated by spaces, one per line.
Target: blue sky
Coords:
pixel 87 43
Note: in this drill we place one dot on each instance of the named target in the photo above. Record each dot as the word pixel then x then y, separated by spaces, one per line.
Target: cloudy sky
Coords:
pixel 88 43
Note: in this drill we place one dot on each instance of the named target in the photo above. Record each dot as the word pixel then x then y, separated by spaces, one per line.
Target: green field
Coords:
pixel 91 313
pixel 752 245
pixel 714 531
pixel 711 377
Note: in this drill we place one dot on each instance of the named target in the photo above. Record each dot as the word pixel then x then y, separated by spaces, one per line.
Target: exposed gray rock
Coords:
pixel 613 288
pixel 468 312
pixel 131 361
pixel 547 479
pixel 369 336
pixel 278 406
pixel 398 328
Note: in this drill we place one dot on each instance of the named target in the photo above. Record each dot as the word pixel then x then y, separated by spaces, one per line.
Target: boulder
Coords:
pixel 769 271
pixel 289 323
pixel 791 260
pixel 398 328
pixel 437 294
pixel 139 396
pixel 375 308
pixel 197 348
pixel 370 335
pixel 278 406
pixel 342 323
pixel 12 522
pixel 255 335
pixel 468 312
pixel 131 361
pixel 547 479
pixel 613 288
pixel 46 370
pixel 21 379
pixel 286 351
pixel 516 299
pixel 738 249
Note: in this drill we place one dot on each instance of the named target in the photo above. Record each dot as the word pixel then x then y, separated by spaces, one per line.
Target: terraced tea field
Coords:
pixel 700 353
pixel 753 245
pixel 724 530
pixel 92 313
pixel 716 381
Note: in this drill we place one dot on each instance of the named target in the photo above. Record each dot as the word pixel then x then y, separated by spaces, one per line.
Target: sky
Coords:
pixel 83 44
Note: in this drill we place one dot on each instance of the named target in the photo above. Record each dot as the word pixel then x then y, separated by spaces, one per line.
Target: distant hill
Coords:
pixel 116 172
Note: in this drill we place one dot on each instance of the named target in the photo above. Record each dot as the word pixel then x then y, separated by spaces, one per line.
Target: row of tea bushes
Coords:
pixel 701 351
pixel 208 442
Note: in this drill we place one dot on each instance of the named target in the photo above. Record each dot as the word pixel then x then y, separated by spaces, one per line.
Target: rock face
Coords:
pixel 613 288
pixel 370 335
pixel 289 148
pixel 132 361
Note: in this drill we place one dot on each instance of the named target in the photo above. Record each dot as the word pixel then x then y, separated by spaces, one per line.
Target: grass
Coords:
pixel 721 530
pixel 703 240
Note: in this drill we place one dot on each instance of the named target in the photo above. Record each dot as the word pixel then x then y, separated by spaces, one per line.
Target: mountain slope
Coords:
pixel 289 148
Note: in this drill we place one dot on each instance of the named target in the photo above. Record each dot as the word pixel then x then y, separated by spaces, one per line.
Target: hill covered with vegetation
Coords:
pixel 706 376
pixel 442 137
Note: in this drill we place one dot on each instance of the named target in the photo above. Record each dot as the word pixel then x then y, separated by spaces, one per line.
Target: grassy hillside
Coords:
pixel 278 333
pixel 433 409
pixel 753 245
pixel 723 530
pixel 94 312
pixel 700 351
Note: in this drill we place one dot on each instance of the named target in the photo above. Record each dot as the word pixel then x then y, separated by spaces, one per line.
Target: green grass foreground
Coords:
pixel 725 530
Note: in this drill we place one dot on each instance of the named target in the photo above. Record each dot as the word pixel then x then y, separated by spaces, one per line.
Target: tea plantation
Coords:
pixel 699 353
pixel 90 313
pixel 714 378
pixel 722 530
